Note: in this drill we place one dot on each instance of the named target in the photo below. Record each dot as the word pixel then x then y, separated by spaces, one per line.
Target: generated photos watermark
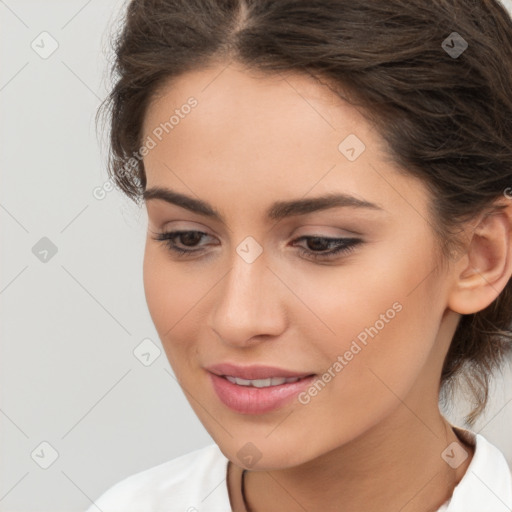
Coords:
pixel 157 134
pixel 356 346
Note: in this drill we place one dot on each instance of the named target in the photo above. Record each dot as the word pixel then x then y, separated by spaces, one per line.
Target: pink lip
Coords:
pixel 253 400
pixel 253 372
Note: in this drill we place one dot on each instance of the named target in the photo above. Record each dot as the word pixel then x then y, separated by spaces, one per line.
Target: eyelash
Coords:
pixel 345 245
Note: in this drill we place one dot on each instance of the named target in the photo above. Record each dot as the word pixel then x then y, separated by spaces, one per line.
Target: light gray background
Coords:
pixel 70 325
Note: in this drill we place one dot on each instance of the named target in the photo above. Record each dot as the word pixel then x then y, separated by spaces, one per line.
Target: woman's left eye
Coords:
pixel 319 246
pixel 341 246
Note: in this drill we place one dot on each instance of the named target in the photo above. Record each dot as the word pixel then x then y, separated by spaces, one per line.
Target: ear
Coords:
pixel 484 270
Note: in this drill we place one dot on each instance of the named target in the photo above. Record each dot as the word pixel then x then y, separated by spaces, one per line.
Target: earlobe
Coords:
pixel 482 274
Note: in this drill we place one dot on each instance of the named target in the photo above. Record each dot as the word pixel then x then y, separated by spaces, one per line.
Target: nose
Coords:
pixel 248 304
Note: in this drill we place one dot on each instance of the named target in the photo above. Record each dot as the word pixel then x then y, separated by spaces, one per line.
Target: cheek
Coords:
pixel 168 288
pixel 381 316
pixel 166 294
pixel 156 287
pixel 381 372
pixel 174 296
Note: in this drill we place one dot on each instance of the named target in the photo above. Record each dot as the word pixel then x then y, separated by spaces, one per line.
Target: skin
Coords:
pixel 372 438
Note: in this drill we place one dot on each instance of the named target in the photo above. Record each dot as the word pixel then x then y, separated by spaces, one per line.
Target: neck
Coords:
pixel 395 466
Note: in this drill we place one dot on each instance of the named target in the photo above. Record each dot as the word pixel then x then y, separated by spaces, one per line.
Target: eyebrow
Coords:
pixel 277 211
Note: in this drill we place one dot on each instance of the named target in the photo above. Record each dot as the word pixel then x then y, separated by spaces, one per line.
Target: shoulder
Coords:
pixel 487 483
pixel 193 482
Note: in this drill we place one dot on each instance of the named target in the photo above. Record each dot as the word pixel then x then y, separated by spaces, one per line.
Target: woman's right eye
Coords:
pixel 186 238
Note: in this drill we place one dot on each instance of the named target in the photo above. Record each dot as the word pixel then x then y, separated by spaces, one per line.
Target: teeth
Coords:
pixel 261 383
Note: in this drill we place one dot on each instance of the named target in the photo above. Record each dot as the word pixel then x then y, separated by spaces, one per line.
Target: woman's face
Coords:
pixel 258 287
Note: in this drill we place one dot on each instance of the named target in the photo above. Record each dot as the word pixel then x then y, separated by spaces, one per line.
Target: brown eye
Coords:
pixel 185 238
pixel 317 247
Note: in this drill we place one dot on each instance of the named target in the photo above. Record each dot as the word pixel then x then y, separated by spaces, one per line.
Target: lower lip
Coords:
pixel 253 400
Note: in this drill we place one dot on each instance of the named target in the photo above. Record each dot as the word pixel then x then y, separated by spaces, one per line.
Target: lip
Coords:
pixel 253 400
pixel 253 372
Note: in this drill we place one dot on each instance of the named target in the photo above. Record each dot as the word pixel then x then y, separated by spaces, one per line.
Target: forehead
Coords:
pixel 261 135
pixel 241 113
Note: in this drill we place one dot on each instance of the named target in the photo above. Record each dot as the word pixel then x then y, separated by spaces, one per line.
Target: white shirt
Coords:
pixel 196 482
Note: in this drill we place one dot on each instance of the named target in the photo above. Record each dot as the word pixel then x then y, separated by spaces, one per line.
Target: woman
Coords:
pixel 329 245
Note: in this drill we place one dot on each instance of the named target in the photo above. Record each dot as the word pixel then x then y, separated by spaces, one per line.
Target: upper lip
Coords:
pixel 254 371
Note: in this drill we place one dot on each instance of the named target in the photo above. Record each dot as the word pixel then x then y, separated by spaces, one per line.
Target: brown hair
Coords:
pixel 446 118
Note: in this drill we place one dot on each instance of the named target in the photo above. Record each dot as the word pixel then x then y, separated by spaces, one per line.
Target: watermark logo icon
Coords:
pixel 44 250
pixel 147 352
pixel 249 454
pixel 454 45
pixel 351 147
pixel 45 45
pixel 249 249
pixel 44 455
pixel 454 455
